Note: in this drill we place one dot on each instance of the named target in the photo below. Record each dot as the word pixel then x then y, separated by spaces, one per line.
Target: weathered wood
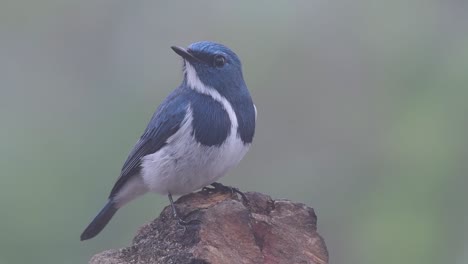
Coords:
pixel 230 231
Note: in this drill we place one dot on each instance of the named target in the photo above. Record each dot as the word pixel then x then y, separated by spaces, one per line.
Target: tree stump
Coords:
pixel 259 230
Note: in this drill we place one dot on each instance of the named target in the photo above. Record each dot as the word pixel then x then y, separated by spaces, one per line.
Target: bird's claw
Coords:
pixel 182 222
pixel 207 189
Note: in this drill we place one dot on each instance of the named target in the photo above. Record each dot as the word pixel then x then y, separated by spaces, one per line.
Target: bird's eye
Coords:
pixel 219 61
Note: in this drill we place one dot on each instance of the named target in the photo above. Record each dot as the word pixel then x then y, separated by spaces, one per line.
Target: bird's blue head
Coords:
pixel 211 64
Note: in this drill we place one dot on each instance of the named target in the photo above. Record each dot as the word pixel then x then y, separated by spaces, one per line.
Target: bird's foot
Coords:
pixel 223 188
pixel 180 221
pixel 184 223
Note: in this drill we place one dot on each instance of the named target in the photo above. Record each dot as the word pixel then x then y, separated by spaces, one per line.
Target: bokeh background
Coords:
pixel 362 114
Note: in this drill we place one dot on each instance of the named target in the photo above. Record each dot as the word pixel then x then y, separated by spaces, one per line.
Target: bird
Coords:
pixel 201 130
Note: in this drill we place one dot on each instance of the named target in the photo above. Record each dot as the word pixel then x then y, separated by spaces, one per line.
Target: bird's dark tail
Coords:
pixel 100 221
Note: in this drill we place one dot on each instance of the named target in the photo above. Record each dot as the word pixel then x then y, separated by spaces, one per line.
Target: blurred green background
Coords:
pixel 362 114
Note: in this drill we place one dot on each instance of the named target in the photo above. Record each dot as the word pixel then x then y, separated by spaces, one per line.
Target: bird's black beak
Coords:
pixel 184 54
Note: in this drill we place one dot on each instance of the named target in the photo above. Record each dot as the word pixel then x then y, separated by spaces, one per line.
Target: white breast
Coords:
pixel 184 165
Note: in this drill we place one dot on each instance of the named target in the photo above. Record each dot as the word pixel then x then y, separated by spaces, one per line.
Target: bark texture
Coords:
pixel 230 230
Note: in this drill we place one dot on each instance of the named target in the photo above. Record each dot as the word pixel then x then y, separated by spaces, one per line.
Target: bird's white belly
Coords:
pixel 184 165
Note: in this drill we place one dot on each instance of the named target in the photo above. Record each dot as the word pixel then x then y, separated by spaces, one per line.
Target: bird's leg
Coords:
pixel 176 215
pixel 222 187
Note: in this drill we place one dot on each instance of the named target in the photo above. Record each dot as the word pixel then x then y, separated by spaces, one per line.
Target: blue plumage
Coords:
pixel 200 131
pixel 211 123
pixel 100 221
pixel 224 80
pixel 245 112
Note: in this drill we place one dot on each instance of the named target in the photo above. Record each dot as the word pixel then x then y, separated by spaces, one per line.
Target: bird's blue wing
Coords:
pixel 165 122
